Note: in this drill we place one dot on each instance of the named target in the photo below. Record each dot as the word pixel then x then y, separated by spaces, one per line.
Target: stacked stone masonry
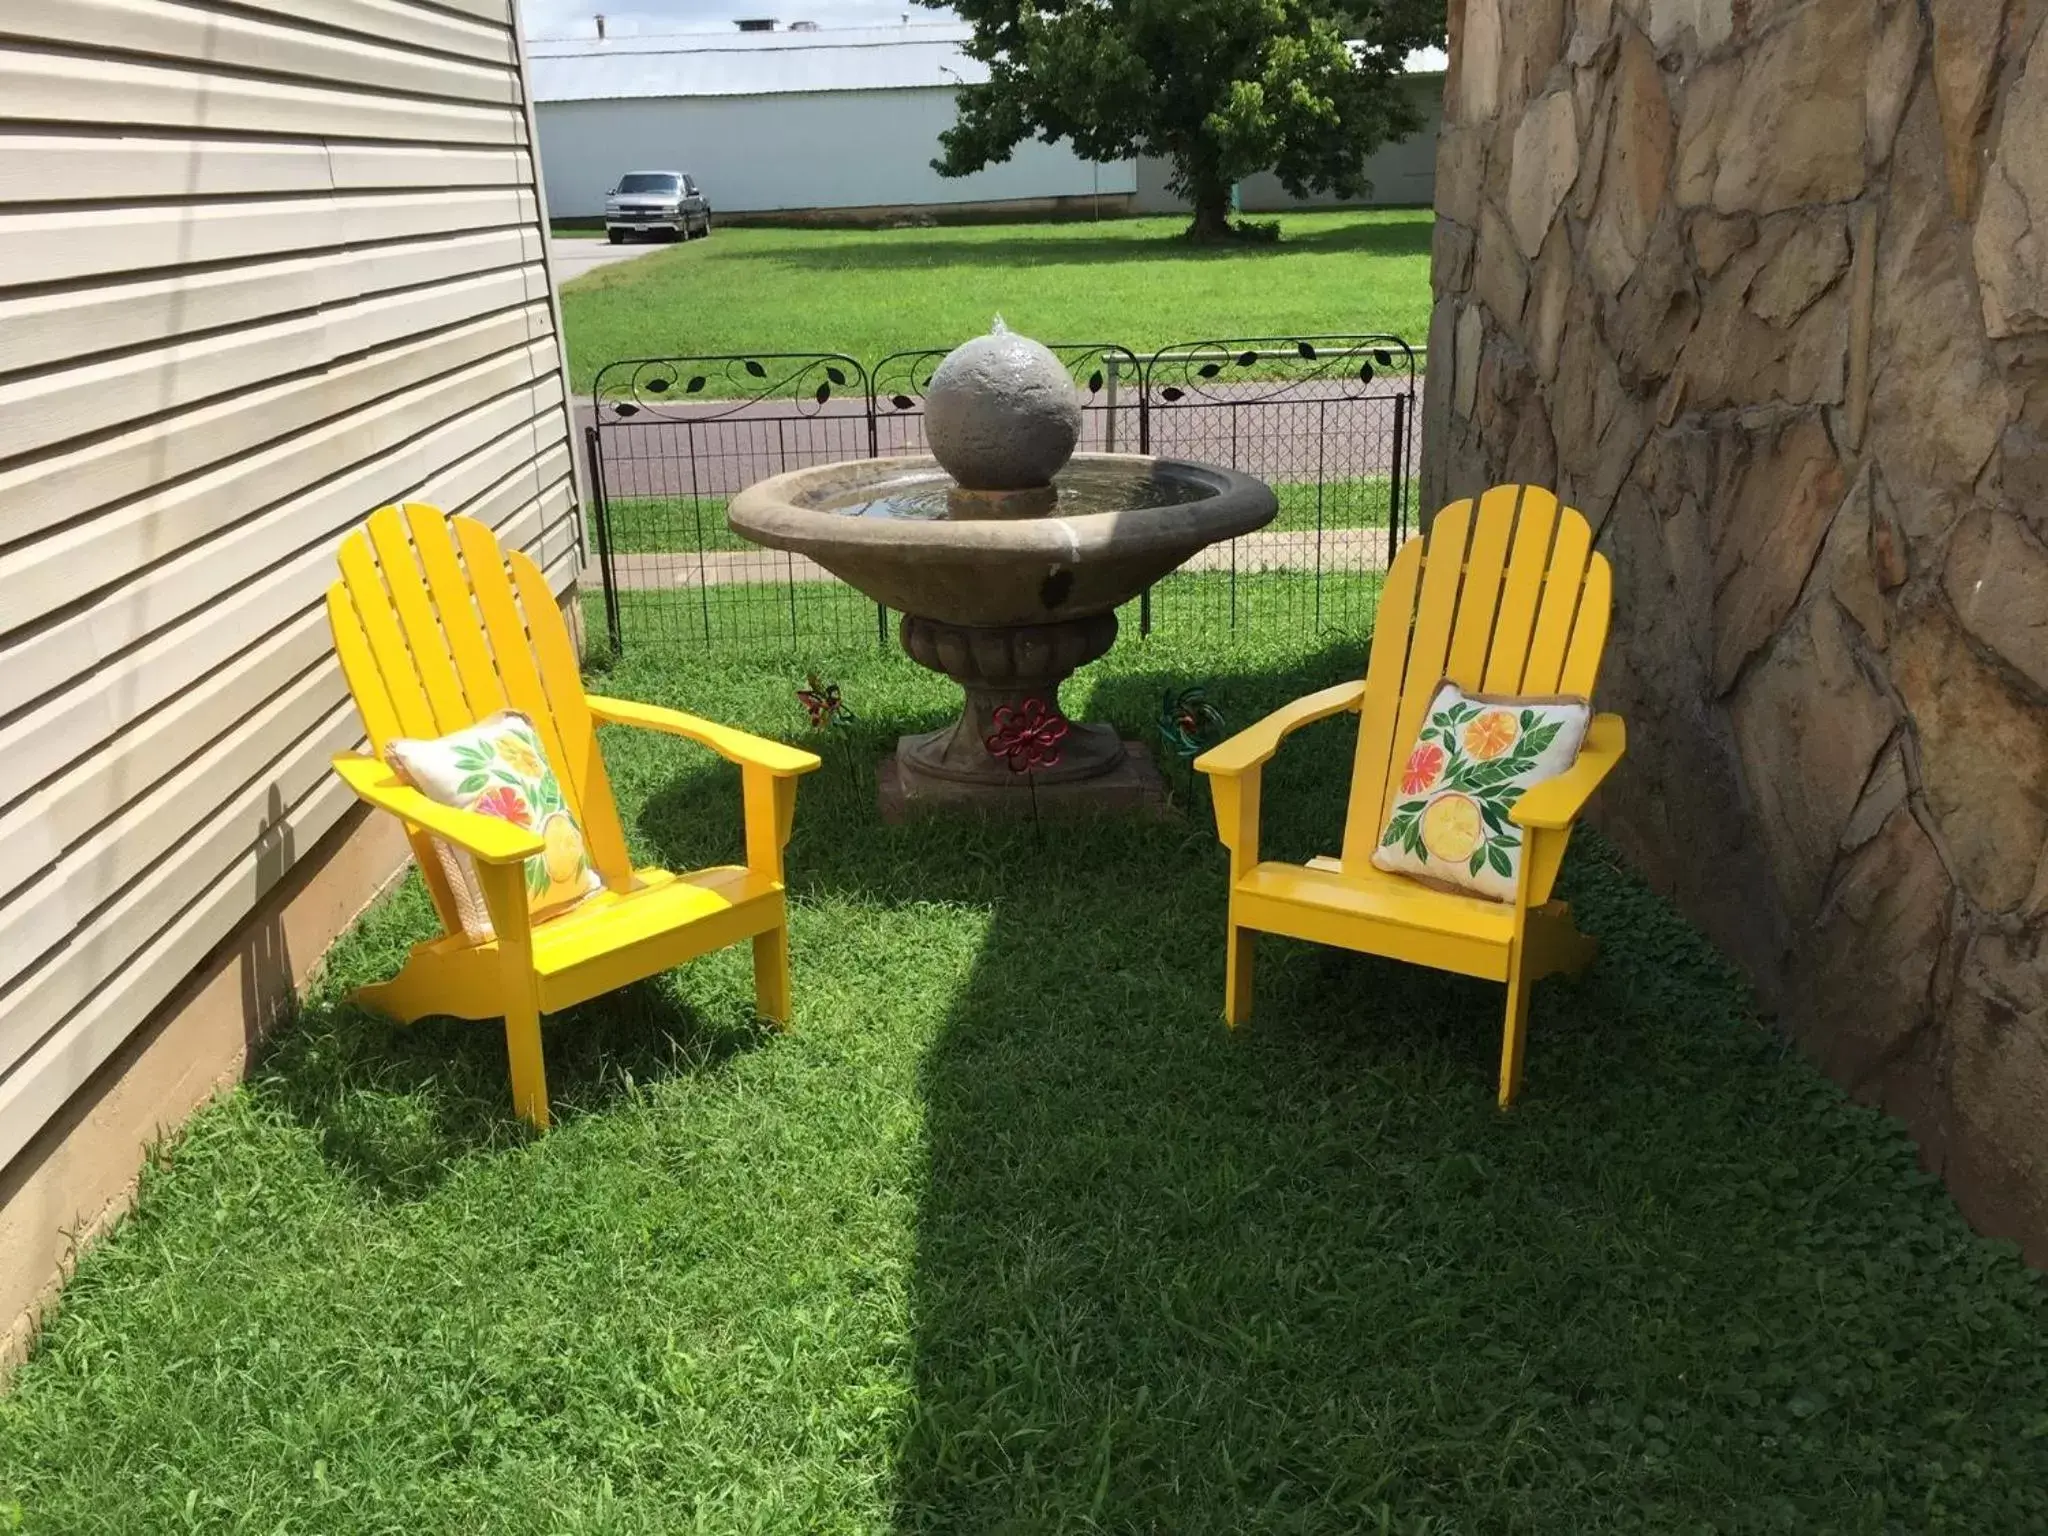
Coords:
pixel 1762 287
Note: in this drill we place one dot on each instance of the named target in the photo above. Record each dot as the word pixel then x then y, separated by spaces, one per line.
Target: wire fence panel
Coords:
pixel 673 440
pixel 1331 422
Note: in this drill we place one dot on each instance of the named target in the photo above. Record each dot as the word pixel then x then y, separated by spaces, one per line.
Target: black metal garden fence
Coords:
pixel 1332 422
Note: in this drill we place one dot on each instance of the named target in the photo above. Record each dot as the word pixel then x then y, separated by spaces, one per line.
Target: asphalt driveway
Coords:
pixel 573 258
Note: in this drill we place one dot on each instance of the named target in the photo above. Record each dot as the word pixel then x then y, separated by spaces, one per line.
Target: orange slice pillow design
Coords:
pixel 1472 760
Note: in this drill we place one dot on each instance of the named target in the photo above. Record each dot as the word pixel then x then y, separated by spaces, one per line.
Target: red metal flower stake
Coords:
pixel 1028 738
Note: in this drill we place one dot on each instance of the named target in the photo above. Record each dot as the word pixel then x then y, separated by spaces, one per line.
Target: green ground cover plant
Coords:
pixel 1131 282
pixel 1007 1233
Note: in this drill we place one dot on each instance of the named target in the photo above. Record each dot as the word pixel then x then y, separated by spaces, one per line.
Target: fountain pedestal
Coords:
pixel 1001 668
pixel 1009 667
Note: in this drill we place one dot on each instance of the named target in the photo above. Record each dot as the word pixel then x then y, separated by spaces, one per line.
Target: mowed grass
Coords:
pixel 640 525
pixel 1007 1233
pixel 869 293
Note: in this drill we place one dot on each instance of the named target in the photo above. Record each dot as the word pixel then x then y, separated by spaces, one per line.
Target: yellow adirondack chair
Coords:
pixel 1529 616
pixel 439 630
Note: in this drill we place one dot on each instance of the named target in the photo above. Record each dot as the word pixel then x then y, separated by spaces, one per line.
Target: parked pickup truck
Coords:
pixel 664 203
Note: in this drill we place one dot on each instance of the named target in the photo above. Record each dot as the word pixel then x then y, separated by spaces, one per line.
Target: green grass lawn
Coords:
pixel 641 525
pixel 867 293
pixel 1007 1233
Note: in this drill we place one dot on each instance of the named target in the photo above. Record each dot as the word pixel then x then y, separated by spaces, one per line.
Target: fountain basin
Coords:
pixel 904 534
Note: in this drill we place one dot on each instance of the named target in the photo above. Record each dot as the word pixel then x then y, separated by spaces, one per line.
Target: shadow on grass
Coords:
pixel 396 1108
pixel 899 249
pixel 1155 1262
pixel 1306 1277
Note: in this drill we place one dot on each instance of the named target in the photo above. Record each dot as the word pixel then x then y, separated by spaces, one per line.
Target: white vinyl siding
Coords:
pixel 263 268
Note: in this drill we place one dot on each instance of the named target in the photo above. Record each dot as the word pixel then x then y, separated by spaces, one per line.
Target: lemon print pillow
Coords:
pixel 1475 756
pixel 498 768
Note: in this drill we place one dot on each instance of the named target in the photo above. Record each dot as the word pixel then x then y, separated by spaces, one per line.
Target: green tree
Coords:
pixel 1222 89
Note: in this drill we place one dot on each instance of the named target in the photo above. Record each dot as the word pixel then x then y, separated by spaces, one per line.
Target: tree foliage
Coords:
pixel 1222 89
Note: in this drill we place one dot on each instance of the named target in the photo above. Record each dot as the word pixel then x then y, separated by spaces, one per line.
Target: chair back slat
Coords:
pixel 435 633
pixel 1383 674
pixel 581 764
pixel 1563 587
pixel 506 627
pixel 1429 643
pixel 1479 594
pixel 425 643
pixel 1502 596
pixel 1589 631
pixel 386 637
pixel 455 606
pixel 359 666
pixel 365 675
pixel 1521 591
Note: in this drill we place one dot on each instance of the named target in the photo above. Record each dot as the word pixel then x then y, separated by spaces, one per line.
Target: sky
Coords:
pixel 572 18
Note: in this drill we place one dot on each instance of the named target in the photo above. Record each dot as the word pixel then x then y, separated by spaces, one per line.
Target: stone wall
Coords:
pixel 1757 285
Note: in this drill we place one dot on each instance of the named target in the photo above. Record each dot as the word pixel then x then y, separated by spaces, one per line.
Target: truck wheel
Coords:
pixel 616 236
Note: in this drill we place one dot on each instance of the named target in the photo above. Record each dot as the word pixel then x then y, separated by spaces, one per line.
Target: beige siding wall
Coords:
pixel 261 270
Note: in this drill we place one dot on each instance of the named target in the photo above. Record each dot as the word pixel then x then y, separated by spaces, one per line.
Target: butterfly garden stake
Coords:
pixel 828 711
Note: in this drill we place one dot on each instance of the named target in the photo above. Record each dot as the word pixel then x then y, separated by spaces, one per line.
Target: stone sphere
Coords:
pixel 1002 413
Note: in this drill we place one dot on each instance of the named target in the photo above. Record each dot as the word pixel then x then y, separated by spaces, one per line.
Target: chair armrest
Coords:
pixel 482 837
pixel 734 746
pixel 1554 804
pixel 1254 744
pixel 1235 768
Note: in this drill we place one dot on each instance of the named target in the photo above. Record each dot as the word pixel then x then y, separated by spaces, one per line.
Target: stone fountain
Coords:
pixel 1008 555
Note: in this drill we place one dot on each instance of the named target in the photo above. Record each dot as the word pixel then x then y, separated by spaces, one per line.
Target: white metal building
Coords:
pixel 848 119
pixel 781 122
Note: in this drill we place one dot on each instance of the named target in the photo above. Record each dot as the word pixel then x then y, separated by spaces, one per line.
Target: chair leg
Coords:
pixel 505 895
pixel 529 1071
pixel 1585 950
pixel 1237 977
pixel 1555 943
pixel 1513 1035
pixel 771 975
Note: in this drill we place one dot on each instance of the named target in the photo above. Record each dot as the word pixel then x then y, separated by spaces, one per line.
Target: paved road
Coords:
pixel 715 448
pixel 573 258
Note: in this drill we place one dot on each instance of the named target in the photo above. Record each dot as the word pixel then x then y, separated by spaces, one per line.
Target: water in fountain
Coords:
pixel 1083 487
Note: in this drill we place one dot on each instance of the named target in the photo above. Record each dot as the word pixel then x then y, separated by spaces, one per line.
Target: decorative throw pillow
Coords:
pixel 1475 757
pixel 498 768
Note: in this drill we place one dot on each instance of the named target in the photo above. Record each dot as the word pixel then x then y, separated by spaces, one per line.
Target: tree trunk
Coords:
pixel 1212 213
pixel 1209 190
